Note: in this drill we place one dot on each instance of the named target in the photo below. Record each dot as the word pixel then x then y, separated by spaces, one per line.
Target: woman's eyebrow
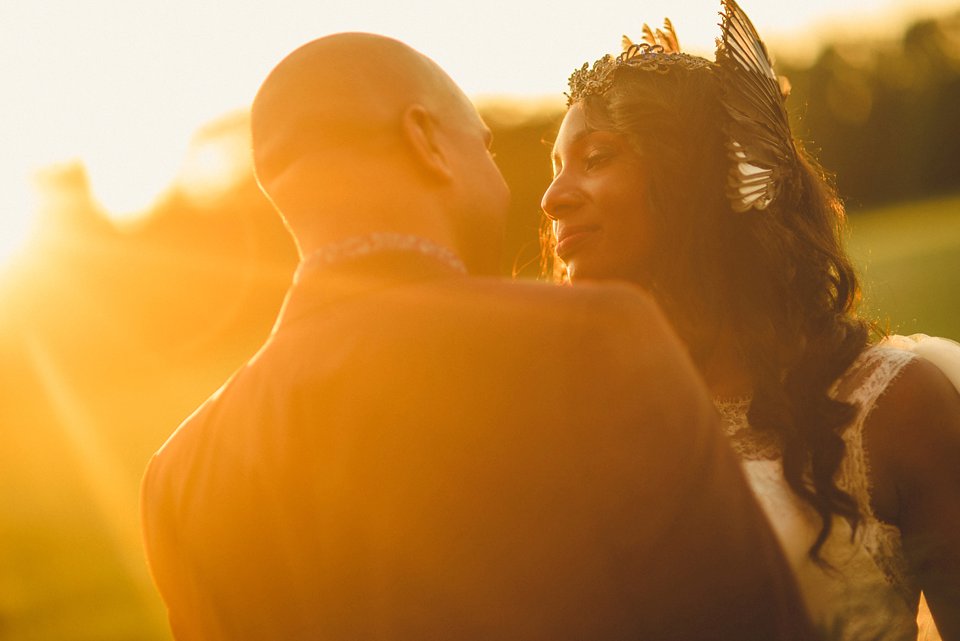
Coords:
pixel 577 137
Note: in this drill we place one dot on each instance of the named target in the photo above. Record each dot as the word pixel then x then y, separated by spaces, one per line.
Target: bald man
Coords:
pixel 421 452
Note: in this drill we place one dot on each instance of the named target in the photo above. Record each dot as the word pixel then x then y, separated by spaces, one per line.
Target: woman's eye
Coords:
pixel 597 157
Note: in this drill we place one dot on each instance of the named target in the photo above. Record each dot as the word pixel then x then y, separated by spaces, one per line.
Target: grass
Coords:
pixel 909 259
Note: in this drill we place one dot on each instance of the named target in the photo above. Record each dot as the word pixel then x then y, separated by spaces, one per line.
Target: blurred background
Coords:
pixel 140 265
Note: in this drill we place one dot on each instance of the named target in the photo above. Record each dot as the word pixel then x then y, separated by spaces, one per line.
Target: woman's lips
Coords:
pixel 571 239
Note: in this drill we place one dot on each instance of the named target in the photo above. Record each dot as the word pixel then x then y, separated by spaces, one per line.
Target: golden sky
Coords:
pixel 123 84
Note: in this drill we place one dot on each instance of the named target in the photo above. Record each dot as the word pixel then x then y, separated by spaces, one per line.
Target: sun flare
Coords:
pixel 17 210
pixel 213 165
pixel 127 186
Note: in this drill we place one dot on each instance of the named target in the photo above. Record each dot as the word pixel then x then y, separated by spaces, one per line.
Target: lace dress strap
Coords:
pixel 864 384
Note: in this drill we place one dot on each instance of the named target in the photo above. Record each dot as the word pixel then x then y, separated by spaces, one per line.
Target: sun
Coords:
pixel 127 187
pixel 218 158
pixel 17 215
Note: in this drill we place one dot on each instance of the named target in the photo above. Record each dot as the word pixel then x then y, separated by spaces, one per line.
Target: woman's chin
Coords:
pixel 579 270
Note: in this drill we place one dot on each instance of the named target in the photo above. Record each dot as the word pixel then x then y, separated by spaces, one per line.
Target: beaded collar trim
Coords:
pixel 379 242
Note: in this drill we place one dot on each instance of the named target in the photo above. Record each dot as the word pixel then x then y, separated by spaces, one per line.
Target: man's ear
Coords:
pixel 425 141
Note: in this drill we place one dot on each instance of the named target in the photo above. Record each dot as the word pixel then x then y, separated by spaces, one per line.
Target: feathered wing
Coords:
pixel 668 37
pixel 665 38
pixel 760 145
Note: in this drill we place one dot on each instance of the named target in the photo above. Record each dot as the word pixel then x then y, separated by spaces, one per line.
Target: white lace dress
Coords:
pixel 866 593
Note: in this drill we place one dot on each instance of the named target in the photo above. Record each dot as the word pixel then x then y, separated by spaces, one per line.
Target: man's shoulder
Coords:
pixel 599 314
pixel 611 303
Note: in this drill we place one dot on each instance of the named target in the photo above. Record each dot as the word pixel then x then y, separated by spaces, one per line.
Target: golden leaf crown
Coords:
pixel 659 52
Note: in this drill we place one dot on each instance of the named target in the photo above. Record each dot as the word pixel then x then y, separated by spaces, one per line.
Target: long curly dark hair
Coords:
pixel 777 284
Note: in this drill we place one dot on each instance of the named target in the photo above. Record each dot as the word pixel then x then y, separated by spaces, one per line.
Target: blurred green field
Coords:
pixel 909 261
pixel 81 415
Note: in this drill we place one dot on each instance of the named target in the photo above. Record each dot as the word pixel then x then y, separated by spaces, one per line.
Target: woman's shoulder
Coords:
pixel 943 353
pixel 913 431
pixel 882 364
pixel 920 390
pixel 870 374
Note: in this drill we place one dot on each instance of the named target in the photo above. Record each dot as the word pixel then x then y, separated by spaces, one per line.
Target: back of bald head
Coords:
pixel 341 92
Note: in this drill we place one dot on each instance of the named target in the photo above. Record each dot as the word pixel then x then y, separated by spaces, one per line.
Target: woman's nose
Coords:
pixel 559 198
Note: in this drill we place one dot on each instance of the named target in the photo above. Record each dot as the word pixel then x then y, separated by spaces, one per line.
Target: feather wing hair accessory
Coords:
pixel 665 38
pixel 760 146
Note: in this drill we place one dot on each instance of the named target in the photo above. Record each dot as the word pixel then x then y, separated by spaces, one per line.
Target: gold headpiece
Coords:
pixel 760 148
pixel 659 51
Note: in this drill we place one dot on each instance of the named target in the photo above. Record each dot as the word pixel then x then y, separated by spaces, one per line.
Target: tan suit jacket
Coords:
pixel 418 455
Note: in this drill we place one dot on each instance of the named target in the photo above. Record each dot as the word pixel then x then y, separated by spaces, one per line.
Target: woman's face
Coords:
pixel 597 202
